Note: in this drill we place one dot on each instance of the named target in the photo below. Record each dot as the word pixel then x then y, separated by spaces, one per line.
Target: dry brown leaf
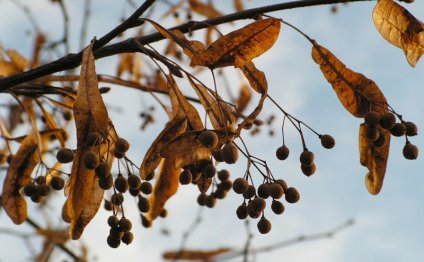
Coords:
pixel 238 5
pixel 166 186
pixel 240 46
pixel 36 53
pixel 245 95
pixel 17 59
pixel 258 82
pixel 7 68
pixel 187 254
pixel 400 28
pixel 90 116
pixel 218 114
pixel 18 175
pixel 374 158
pixel 207 10
pixel 193 117
pixel 58 236
pixel 357 93
pixel 52 124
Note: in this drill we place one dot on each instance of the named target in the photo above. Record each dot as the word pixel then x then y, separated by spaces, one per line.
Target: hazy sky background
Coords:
pixel 389 226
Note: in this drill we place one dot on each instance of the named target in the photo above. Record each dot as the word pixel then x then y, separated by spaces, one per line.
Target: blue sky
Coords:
pixel 389 226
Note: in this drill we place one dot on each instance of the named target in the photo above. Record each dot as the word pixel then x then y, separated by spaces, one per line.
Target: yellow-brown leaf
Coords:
pixel 400 28
pixel 17 59
pixel 166 186
pixel 241 46
pixel 204 9
pixel 374 158
pixel 19 175
pixel 187 254
pixel 357 93
pixel 245 95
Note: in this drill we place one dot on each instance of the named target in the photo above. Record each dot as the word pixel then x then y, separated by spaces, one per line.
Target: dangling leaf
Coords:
pixel 204 9
pixel 166 186
pixel 245 95
pixel 241 46
pixel 18 175
pixel 400 28
pixel 258 82
pixel 238 5
pixel 17 59
pixel 220 113
pixel 191 254
pixel 357 93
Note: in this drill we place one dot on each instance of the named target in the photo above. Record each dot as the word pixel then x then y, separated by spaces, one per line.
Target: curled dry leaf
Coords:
pixel 166 186
pixel 207 10
pixel 18 175
pixel 358 95
pixel 219 113
pixel 191 254
pixel 400 28
pixel 58 236
pixel 245 95
pixel 374 158
pixel 240 46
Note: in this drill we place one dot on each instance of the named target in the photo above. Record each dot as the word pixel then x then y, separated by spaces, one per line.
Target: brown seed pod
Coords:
pixel 127 238
pixel 410 151
pixel 57 183
pixel 282 152
pixel 201 199
pixel 252 213
pixel 113 242
pixel 209 170
pixel 146 188
pixel 36 198
pixel 257 205
pixel 145 221
pixel 372 133
pixel 208 138
pixel 277 207
pixel 372 118
pixel 230 153
pixel 240 185
pixel 242 211
pixel 292 195
pixel 44 190
pixel 163 213
pixel 30 189
pixel 263 190
pixel 102 170
pixel 275 191
pixel 121 183
pixel 308 170
pixel 282 183
pixel 116 233
pixel 226 185
pixel 113 221
pixel 411 128
pixel 250 192
pixel 134 192
pixel 210 201
pixel 65 155
pixel 106 182
pixel 134 182
pixel 306 157
pixel 107 205
pixel 217 155
pixel 185 177
pixel 220 193
pixel 223 175
pixel 121 145
pixel 143 204
pixel 399 129
pixel 125 224
pixel 67 115
pixel 150 176
pixel 327 141
pixel 117 199
pixel 387 120
pixel 264 226
pixel 381 141
pixel 90 159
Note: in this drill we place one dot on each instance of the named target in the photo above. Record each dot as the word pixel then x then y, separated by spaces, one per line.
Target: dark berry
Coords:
pixel 115 233
pixel 57 183
pixel 201 199
pixel 410 151
pixel 163 213
pixel 381 141
pixel 40 180
pixel 240 185
pixel 43 190
pixel 113 221
pixel 208 138
pixel 399 129
pixel 223 175
pixel 150 176
pixel 67 115
pixel 90 159
pixel 387 120
pixel 143 204
pixel 226 185
pixel 185 177
pixel 217 155
pixel 146 188
pixel 103 169
pixel 282 183
pixel 117 199
pixel 134 182
pixel 36 198
pixel 263 190
pixel 327 141
pixel 275 191
pixel 65 155
pixel 250 192
pixel 411 128
pixel 145 221
pixel 113 242
pixel 306 157
pixel 258 204
pixel 125 224
pixel 230 153
pixel 127 238
pixel 209 170
pixel 372 118
pixel 372 133
pixel 282 152
pixel 107 205
pixel 121 183
pixel 106 182
pixel 264 226
pixel 134 192
pixel 242 211
pixel 210 201
pixel 308 170
pixel 121 145
pixel 220 193
pixel 292 195
pixel 30 189
pixel 277 207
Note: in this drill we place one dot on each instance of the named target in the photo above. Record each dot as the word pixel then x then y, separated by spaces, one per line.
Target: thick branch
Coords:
pixel 74 60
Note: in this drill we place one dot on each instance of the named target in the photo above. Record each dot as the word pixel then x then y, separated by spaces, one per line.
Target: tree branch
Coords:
pixel 74 60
